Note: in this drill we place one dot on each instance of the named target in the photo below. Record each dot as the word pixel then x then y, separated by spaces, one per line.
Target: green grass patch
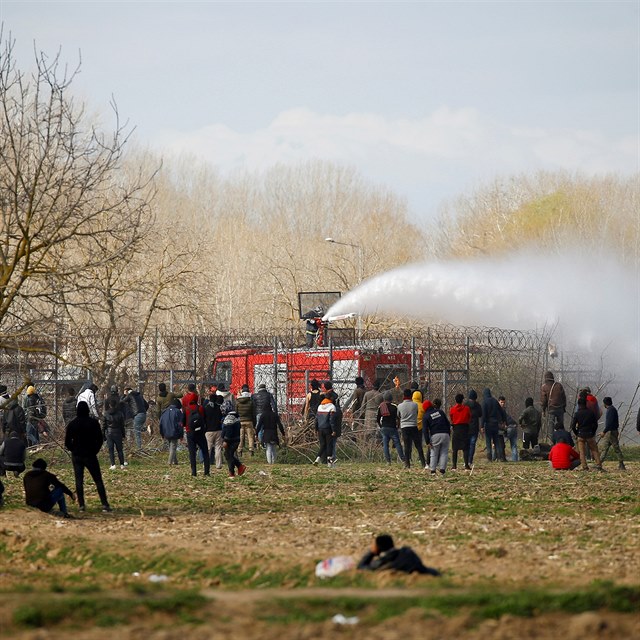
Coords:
pixel 104 611
pixel 480 604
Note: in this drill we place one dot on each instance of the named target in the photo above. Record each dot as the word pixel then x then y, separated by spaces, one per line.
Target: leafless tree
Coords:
pixel 66 206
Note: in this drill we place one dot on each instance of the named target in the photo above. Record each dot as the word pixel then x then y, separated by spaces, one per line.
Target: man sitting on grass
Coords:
pixel 43 490
pixel 563 457
pixel 384 555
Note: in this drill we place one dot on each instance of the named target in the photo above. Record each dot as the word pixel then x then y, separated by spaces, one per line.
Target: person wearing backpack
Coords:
pixel 213 428
pixel 138 406
pixel 196 438
pixel 172 428
pixel 14 419
pixel 35 411
pixel 230 442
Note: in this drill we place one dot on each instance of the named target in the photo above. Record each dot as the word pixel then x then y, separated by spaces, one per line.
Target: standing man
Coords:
pixel 14 420
pixel 311 404
pixel 435 422
pixel 88 396
pixel 83 439
pixel 371 401
pixel 114 433
pixel 337 431
pixel 512 430
pixel 530 421
pixel 164 399
pixel 610 433
pixel 35 411
pixel 246 409
pixel 213 428
pixel 585 424
pixel 354 404
pixel 408 423
pixel 196 438
pixel 172 428
pixel 387 418
pixel 69 406
pixel 326 425
pixel 460 415
pixel 397 392
pixel 138 407
pixel 493 417
pixel 261 398
pixel 554 403
pixel 474 426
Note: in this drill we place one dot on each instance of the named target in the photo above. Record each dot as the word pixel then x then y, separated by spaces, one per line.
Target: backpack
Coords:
pixel 40 409
pixel 196 422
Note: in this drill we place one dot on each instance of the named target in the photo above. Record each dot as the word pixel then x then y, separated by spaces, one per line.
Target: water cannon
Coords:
pixel 343 316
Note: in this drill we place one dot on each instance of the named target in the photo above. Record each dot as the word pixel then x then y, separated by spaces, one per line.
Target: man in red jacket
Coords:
pixel 563 457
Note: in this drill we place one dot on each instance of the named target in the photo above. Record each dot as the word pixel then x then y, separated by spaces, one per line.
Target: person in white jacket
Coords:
pixel 88 394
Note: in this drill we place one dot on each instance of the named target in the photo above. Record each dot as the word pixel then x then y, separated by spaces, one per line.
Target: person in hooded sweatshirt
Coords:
pixel 88 396
pixel 138 407
pixel 230 442
pixel 553 401
pixel 435 421
pixel 114 433
pixel 172 428
pixel 69 406
pixel 164 399
pixel 325 426
pixel 474 425
pixel 270 424
pixel 13 453
pixel 493 417
pixel 43 490
pixel 246 409
pixel 83 438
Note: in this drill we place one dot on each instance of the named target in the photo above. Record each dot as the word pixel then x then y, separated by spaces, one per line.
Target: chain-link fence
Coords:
pixel 445 359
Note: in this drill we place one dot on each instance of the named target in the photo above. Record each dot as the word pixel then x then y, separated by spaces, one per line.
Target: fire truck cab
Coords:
pixel 287 374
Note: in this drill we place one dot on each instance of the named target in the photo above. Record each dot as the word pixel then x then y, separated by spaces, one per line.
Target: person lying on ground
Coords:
pixel 384 555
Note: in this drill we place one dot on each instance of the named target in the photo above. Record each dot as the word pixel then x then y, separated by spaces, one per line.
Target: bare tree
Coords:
pixel 65 204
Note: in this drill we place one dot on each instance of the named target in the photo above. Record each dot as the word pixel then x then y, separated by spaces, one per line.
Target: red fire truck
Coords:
pixel 287 373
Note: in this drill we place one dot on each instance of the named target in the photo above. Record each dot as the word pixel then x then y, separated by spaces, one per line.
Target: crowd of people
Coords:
pixel 223 426
pixel 405 420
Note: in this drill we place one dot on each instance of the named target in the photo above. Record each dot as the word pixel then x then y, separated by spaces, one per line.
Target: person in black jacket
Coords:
pixel 69 406
pixel 13 452
pixel 83 439
pixel 213 428
pixel 14 419
pixel 493 419
pixel 474 425
pixel 384 555
pixel 387 418
pixel 230 442
pixel 584 425
pixel 38 491
pixel 113 429
pixel 269 425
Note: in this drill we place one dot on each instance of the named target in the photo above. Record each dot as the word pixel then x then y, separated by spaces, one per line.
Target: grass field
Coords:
pixel 525 552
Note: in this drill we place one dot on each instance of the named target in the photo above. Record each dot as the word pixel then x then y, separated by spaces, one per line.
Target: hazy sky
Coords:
pixel 429 98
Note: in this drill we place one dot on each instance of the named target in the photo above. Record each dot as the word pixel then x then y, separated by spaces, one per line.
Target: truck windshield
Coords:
pixel 222 372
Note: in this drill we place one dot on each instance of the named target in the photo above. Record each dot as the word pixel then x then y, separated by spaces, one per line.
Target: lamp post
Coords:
pixel 360 250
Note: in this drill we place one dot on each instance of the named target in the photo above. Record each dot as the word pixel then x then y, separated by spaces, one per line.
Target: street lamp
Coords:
pixel 360 251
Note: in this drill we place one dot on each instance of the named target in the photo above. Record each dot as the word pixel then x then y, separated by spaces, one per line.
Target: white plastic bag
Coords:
pixel 333 566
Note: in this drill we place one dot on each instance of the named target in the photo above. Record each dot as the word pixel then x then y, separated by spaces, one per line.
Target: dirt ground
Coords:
pixel 491 551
